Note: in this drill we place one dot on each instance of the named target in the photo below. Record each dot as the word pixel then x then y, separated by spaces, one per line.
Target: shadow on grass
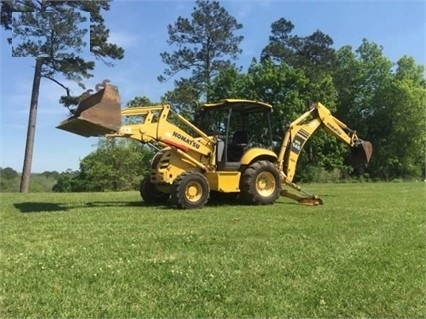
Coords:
pixel 39 207
pixel 36 207
pixel 232 199
pixel 217 200
pixel 223 199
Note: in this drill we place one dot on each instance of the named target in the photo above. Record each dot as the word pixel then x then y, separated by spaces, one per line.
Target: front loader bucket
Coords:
pixel 360 155
pixel 97 115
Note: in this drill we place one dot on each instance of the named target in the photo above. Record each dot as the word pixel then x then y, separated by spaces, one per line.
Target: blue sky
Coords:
pixel 140 27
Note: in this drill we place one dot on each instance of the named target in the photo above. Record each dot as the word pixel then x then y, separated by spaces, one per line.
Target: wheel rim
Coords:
pixel 193 191
pixel 265 184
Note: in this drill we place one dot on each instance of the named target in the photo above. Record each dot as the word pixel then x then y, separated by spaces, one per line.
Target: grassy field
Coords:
pixel 106 255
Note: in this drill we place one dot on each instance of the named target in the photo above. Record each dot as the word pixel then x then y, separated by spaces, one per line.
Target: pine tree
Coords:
pixel 52 32
pixel 205 45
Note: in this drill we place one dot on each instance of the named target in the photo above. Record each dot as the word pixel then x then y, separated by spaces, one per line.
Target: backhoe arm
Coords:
pixel 300 130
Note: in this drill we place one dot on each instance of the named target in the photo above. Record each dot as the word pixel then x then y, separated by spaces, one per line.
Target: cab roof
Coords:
pixel 239 105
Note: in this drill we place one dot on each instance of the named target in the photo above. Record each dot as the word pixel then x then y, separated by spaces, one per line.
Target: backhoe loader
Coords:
pixel 227 148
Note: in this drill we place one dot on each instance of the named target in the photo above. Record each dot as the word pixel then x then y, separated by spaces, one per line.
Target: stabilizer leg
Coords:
pixel 304 198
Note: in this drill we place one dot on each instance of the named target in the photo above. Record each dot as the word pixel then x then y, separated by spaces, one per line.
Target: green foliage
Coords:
pixel 8 173
pixel 9 180
pixel 6 10
pixel 386 106
pixel 229 83
pixel 358 76
pixel 66 182
pixel 400 129
pixel 107 255
pixel 314 53
pixel 205 45
pixel 114 165
pixel 139 101
pixel 51 174
pixel 184 96
pixel 136 102
pixel 40 182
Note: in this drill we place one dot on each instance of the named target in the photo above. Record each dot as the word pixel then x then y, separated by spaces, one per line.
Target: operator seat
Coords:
pixel 238 145
pixel 240 139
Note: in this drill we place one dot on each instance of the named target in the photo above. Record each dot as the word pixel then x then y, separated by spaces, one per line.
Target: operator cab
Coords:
pixel 239 125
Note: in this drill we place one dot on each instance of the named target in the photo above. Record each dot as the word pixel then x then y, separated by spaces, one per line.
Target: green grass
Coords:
pixel 106 255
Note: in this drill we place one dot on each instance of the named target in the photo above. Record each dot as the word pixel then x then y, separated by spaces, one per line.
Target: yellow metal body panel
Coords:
pixel 224 181
pixel 170 166
pixel 257 152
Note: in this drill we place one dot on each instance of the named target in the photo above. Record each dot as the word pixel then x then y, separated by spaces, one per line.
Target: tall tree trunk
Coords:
pixel 32 119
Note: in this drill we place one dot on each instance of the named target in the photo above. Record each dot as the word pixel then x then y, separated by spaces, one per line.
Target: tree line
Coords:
pixel 383 100
pixel 40 182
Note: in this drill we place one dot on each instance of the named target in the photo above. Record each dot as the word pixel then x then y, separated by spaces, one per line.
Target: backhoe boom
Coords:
pixel 297 134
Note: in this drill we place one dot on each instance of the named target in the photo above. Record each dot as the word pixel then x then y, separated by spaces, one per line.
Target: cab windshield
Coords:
pixel 248 122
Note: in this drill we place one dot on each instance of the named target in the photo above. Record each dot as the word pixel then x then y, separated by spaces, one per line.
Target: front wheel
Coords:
pixel 260 184
pixel 190 190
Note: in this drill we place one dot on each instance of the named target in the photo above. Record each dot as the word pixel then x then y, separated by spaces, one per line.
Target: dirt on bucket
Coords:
pixel 97 115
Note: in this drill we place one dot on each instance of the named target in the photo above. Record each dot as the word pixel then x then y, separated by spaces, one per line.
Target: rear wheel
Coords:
pixel 190 190
pixel 260 184
pixel 149 194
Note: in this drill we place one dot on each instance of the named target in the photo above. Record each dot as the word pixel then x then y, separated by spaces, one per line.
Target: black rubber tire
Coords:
pixel 190 190
pixel 149 194
pixel 260 184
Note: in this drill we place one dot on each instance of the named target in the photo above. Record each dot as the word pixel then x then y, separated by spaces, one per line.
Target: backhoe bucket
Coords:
pixel 97 115
pixel 360 155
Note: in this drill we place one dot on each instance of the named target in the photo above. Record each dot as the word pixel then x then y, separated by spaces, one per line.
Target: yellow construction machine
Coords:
pixel 227 148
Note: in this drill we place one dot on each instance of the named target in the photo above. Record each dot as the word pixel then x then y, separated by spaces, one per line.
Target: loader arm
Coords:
pixel 101 115
pixel 297 134
pixel 160 125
